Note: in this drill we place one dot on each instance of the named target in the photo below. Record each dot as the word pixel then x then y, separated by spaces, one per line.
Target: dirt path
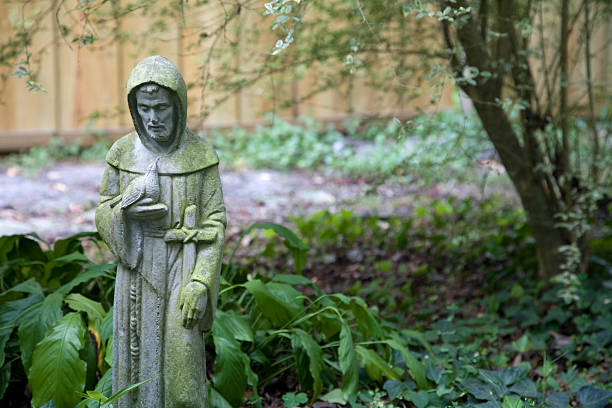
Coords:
pixel 61 200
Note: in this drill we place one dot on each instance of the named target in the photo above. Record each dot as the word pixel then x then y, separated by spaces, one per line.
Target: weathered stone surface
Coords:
pixel 161 212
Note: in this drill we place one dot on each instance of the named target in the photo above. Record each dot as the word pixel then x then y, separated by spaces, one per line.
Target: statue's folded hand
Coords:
pixel 192 303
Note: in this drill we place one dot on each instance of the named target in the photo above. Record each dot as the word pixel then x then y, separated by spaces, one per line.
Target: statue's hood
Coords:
pixel 135 151
pixel 161 71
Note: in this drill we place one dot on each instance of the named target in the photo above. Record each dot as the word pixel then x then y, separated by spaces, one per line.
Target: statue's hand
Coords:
pixel 145 208
pixel 192 303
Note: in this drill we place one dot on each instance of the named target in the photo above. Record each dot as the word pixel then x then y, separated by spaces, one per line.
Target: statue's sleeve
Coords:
pixel 208 264
pixel 111 221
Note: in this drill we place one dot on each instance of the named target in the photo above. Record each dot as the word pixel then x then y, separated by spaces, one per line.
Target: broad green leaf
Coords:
pixel 397 388
pixel 488 404
pixel 416 369
pixel 315 357
pixel 594 397
pixel 34 323
pixel 420 399
pixel 75 257
pixel 292 279
pixel 232 326
pixel 293 298
pixel 10 313
pixel 420 337
pixel 30 286
pixel 5 376
pixel 80 303
pixel 521 345
pixel 71 244
pixel 105 385
pixel 512 402
pixel 230 373
pixel 327 323
pixel 348 362
pixel 301 364
pixel 479 389
pixel 108 356
pixel 525 388
pixel 557 400
pixel 106 326
pixel 216 400
pixel 335 396
pixel 57 372
pixel 343 299
pixel 296 247
pixel 274 308
pixel 507 376
pixel 367 324
pixel 374 365
pixel 92 272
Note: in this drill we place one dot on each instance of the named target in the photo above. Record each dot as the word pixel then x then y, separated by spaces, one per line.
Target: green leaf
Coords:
pixel 5 376
pixel 594 397
pixel 506 377
pixel 30 286
pixel 292 279
pixel 374 365
pixel 232 326
pixel 525 388
pixel 315 357
pixel 348 362
pixel 106 326
pixel 488 404
pixel 291 297
pixel 92 272
pixel 421 399
pixel 105 385
pixel 80 303
pixel 557 400
pixel 108 356
pixel 296 247
pixel 34 323
pixel 420 337
pixel 335 396
pixel 230 373
pixel 479 389
pixel 367 324
pixel 274 308
pixel 123 391
pixel 72 244
pixel 512 402
pixel 10 313
pixel 292 400
pixel 416 369
pixel 57 372
pixel 522 344
pixel 216 400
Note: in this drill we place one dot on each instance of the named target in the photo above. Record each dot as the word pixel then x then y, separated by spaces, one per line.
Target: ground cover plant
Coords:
pixel 417 150
pixel 421 311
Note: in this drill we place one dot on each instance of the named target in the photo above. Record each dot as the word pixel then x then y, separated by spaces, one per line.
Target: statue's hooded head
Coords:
pixel 155 79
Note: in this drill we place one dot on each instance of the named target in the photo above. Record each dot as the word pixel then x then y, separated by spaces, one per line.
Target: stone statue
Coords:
pixel 161 212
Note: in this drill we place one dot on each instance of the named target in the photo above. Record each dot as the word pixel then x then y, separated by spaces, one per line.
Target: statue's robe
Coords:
pixel 149 339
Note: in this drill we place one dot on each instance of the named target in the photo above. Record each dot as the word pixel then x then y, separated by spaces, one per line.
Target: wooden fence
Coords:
pixel 85 85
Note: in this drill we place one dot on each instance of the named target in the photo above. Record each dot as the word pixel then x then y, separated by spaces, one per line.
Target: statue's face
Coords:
pixel 157 113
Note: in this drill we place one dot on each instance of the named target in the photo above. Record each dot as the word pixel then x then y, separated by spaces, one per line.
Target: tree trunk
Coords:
pixel 530 188
pixel 520 161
